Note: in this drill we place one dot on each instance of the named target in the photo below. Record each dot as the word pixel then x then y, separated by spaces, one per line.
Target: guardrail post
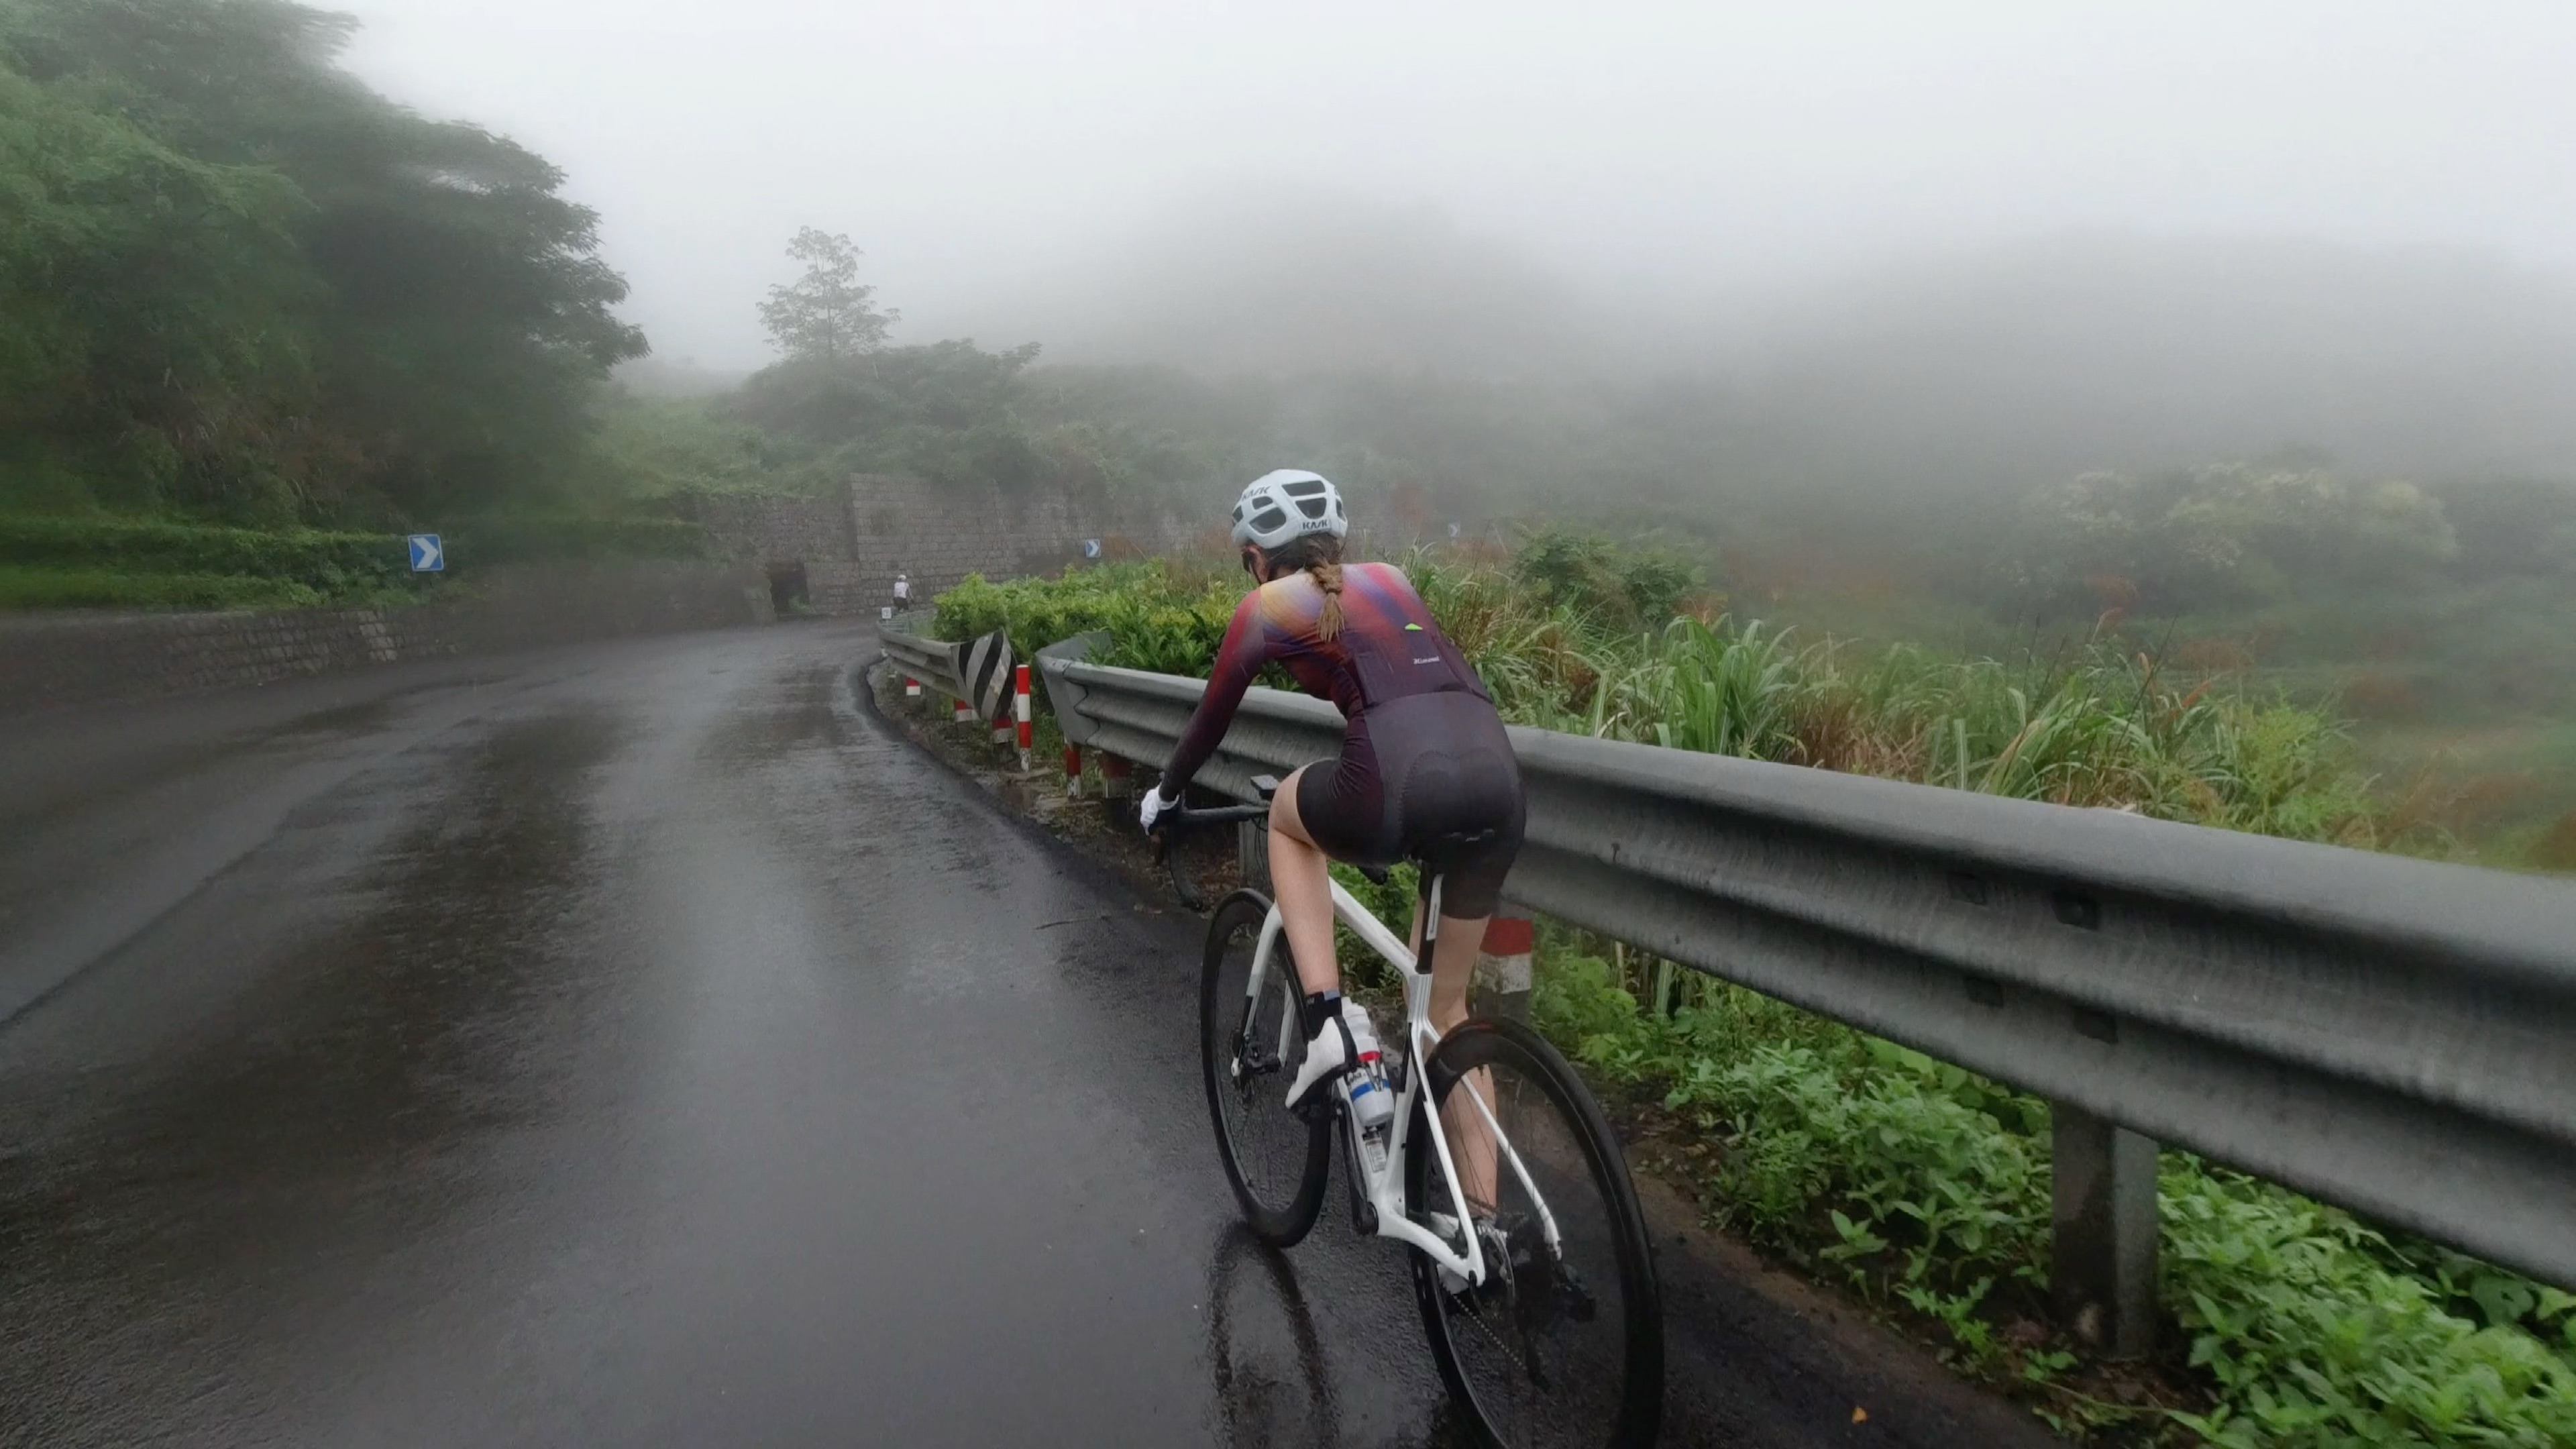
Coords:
pixel 1023 726
pixel 2103 1279
pixel 1117 778
pixel 1502 981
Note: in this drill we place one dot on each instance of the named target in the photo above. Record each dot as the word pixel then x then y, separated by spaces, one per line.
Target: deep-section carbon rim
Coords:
pixel 1275 1160
pixel 1563 1344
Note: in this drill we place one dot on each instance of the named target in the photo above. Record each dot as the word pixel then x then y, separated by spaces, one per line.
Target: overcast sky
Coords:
pixel 972 146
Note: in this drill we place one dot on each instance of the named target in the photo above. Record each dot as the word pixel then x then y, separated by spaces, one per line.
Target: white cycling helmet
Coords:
pixel 1286 505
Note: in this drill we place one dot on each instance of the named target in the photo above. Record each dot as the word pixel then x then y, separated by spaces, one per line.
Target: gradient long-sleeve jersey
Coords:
pixel 1388 649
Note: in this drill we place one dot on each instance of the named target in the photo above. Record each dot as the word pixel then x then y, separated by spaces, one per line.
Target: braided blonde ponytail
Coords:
pixel 1328 577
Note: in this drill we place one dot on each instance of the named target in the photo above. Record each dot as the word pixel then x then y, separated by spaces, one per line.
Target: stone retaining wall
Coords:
pixel 851 546
pixel 761 529
pixel 78 658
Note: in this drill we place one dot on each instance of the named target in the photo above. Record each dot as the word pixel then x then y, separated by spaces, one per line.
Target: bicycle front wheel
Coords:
pixel 1250 1047
pixel 1563 1343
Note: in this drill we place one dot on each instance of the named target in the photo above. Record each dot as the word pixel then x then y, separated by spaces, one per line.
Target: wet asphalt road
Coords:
pixel 642 1044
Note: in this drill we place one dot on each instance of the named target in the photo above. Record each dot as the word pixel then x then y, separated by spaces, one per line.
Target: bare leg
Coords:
pixel 1453 970
pixel 1302 874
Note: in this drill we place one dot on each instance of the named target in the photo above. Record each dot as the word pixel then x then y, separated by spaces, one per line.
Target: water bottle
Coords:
pixel 1372 1105
pixel 1373 1156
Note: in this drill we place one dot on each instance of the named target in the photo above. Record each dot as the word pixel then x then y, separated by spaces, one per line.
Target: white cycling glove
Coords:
pixel 1154 806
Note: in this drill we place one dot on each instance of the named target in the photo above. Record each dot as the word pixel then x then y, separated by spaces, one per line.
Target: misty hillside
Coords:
pixel 1296 282
pixel 657 376
pixel 2041 360
pixel 1994 369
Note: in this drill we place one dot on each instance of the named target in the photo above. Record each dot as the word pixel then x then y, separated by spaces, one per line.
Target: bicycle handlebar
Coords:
pixel 1183 818
pixel 1179 820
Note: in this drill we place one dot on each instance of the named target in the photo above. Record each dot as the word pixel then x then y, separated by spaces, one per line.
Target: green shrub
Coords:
pixel 86 562
pixel 1621 587
pixel 2313 1338
pixel 1926 1187
pixel 329 564
pixel 1160 616
pixel 22 587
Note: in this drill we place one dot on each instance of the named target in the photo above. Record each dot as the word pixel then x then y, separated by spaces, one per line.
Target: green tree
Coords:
pixel 828 315
pixel 386 314
pixel 140 292
pixel 2229 534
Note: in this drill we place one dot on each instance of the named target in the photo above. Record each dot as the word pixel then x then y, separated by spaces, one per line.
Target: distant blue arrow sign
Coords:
pixel 428 555
pixel 1091 548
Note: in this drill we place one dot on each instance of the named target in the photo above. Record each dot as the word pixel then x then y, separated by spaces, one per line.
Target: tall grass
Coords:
pixel 2101 724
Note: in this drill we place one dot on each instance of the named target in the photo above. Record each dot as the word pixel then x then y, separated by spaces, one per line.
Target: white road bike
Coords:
pixel 1530 1257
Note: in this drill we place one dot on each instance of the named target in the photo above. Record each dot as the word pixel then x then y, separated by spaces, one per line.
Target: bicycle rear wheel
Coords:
pixel 1250 1047
pixel 1563 1344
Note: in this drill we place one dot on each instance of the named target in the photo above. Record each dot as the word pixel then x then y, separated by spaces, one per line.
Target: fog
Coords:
pixel 1977 238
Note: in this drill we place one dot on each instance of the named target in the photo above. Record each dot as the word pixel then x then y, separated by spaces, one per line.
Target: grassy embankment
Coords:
pixel 1921 1188
pixel 2460 698
pixel 97 563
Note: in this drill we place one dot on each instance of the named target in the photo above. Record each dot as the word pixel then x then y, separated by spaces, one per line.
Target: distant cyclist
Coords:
pixel 1424 756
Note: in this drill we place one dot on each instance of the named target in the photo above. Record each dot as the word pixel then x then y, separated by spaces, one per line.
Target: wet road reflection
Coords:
pixel 656 1053
pixel 639 1045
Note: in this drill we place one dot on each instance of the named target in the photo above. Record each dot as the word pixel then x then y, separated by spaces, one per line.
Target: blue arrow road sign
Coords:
pixel 1091 548
pixel 428 555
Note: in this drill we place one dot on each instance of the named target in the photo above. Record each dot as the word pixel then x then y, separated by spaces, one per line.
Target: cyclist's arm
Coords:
pixel 1238 663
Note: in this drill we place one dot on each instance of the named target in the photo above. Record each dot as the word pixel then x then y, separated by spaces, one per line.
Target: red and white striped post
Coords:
pixel 964 712
pixel 911 687
pixel 1503 968
pixel 1020 713
pixel 1073 772
pixel 1117 778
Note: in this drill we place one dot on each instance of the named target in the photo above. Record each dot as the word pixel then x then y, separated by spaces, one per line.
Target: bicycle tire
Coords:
pixel 1490 1324
pixel 1276 1161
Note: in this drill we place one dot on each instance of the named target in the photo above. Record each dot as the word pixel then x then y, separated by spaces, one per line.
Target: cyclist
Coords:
pixel 1424 755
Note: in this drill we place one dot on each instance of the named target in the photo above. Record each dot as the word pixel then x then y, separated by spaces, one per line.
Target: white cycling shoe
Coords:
pixel 1338 1050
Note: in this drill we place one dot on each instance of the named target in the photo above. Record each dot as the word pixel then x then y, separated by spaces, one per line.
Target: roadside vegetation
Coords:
pixel 109 563
pixel 242 292
pixel 1921 1188
pixel 256 322
pixel 1574 634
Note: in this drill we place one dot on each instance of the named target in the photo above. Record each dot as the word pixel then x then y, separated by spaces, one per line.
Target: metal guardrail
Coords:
pixel 2392 1035
pixel 2396 1036
pixel 931 661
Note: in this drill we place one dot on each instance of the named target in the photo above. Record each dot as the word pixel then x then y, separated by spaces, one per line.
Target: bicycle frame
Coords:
pixel 1385 1192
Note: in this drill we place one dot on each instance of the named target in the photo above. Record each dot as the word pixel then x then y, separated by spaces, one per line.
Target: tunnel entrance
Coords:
pixel 788 590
